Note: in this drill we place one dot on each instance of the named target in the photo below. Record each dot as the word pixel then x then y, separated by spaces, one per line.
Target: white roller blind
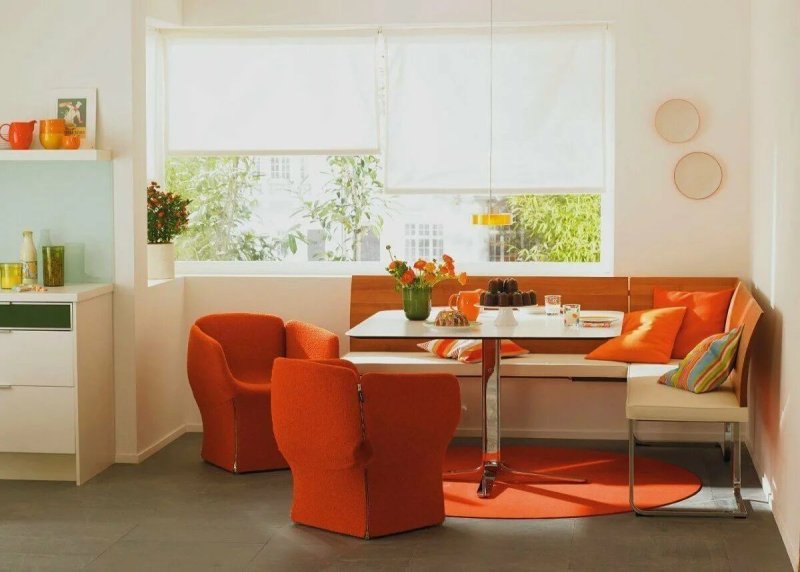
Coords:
pixel 274 94
pixel 548 110
pixel 437 111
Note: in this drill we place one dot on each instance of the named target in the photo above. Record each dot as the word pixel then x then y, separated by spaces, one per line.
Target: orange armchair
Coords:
pixel 366 454
pixel 229 365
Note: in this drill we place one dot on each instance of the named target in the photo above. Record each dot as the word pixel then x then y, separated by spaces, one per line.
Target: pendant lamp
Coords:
pixel 491 218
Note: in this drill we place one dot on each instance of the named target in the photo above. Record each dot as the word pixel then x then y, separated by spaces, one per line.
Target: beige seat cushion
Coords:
pixel 648 400
pixel 529 365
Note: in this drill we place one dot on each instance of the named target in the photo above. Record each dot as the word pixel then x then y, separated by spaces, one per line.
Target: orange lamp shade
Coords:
pixel 493 219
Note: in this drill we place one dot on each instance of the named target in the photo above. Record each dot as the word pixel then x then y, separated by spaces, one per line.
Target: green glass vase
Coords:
pixel 417 303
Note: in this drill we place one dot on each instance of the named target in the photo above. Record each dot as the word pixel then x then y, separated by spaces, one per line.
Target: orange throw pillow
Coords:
pixel 647 337
pixel 705 315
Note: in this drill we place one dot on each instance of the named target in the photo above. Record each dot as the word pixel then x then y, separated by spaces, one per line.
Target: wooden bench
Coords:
pixel 548 358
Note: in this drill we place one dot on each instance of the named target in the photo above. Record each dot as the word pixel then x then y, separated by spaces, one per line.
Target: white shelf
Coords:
pixel 55 155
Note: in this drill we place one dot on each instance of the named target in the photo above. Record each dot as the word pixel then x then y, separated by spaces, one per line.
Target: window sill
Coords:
pixel 157 283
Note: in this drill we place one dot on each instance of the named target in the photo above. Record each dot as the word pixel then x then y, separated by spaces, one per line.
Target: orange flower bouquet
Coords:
pixel 415 281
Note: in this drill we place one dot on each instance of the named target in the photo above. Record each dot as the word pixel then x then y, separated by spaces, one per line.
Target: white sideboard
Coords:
pixel 56 383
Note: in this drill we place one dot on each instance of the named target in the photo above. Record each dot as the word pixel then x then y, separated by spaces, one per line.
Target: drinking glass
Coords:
pixel 53 265
pixel 572 313
pixel 552 304
pixel 10 275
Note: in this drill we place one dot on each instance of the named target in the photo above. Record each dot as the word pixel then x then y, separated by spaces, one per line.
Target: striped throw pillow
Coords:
pixel 707 366
pixel 468 351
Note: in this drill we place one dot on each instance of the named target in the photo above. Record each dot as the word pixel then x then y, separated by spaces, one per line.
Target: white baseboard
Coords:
pixel 194 427
pixel 151 449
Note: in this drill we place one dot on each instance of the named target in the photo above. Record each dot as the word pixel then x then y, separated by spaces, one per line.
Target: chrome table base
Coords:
pixel 492 468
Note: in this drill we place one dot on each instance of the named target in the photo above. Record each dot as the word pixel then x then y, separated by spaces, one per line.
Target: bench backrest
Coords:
pixel 370 294
pixel 744 312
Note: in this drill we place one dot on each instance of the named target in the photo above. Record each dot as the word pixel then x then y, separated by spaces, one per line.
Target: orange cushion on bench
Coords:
pixel 647 337
pixel 705 315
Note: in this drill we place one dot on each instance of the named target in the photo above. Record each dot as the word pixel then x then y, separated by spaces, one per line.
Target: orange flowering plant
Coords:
pixel 167 216
pixel 423 273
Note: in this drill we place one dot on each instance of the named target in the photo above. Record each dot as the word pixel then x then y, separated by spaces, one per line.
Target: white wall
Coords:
pixel 161 390
pixel 776 274
pixel 691 49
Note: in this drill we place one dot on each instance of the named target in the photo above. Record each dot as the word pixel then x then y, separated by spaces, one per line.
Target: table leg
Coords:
pixel 490 414
pixel 492 467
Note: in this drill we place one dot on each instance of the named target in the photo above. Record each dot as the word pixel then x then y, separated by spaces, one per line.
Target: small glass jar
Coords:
pixel 572 314
pixel 53 265
pixel 552 304
pixel 10 275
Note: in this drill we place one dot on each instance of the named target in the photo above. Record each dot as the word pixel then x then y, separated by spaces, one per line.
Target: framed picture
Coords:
pixel 78 108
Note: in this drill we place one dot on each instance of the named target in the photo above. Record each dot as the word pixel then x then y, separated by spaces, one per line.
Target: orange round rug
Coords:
pixel 605 492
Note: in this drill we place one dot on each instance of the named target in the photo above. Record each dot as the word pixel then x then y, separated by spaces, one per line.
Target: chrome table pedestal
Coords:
pixel 492 467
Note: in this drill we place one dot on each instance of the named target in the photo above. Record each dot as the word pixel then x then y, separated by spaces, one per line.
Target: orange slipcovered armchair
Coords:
pixel 229 365
pixel 366 453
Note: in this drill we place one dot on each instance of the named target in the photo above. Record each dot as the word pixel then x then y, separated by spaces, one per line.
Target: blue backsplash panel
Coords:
pixel 73 201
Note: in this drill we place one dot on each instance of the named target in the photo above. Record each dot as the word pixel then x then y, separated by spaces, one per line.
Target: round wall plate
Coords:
pixel 698 175
pixel 677 120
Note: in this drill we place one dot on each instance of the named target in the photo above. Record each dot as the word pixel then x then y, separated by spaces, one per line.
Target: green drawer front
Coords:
pixel 35 316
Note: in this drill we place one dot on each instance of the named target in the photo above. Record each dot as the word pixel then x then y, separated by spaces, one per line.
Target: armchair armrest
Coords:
pixel 307 341
pixel 209 375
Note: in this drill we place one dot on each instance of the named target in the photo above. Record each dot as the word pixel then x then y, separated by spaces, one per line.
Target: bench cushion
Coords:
pixel 648 400
pixel 531 365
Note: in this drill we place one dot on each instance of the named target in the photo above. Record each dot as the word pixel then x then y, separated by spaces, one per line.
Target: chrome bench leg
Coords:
pixel 736 469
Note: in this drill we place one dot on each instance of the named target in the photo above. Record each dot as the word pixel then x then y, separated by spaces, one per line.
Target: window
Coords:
pixel 385 139
pixel 423 241
pixel 279 168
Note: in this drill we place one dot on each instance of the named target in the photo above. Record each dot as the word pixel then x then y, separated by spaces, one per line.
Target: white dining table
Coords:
pixel 530 324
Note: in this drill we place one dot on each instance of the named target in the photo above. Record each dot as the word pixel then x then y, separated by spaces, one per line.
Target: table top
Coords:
pixel 393 324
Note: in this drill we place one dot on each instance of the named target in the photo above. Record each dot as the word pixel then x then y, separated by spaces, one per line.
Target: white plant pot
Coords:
pixel 161 261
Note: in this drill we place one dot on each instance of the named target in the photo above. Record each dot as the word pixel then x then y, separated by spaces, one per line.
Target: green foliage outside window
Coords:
pixel 351 206
pixel 223 193
pixel 554 228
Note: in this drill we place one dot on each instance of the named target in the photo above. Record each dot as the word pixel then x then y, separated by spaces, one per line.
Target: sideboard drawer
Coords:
pixel 37 420
pixel 35 316
pixel 44 358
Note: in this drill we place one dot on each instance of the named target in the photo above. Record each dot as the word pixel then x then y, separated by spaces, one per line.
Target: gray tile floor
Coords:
pixel 174 512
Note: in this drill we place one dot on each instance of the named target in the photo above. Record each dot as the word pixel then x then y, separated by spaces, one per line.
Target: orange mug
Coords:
pixel 20 134
pixel 51 133
pixel 466 302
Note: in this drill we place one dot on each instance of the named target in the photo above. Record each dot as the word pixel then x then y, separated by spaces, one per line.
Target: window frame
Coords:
pixel 156 146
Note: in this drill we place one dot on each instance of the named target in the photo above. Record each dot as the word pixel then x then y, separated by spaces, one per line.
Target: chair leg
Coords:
pixel 741 508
